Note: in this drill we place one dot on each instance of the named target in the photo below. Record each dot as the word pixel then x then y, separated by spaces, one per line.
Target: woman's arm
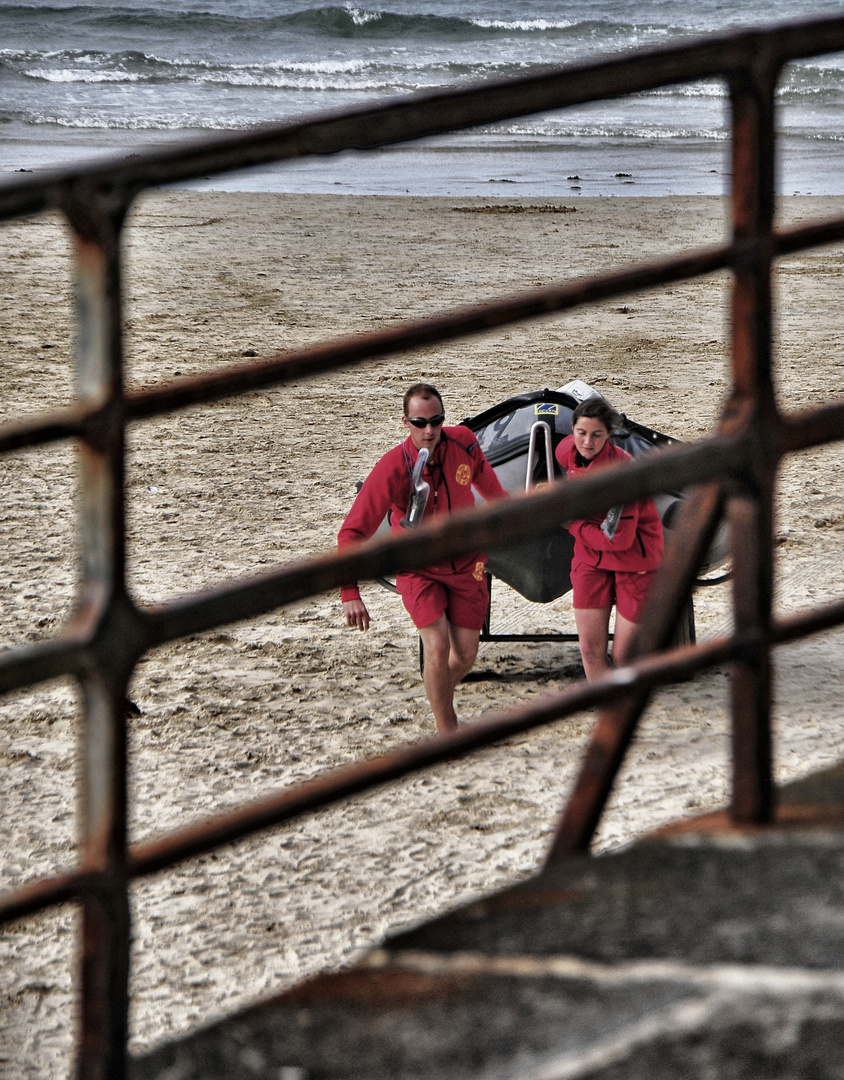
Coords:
pixel 590 532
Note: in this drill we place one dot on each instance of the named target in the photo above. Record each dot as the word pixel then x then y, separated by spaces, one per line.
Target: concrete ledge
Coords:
pixel 708 952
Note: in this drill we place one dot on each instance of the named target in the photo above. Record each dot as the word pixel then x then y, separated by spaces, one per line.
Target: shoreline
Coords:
pixel 581 168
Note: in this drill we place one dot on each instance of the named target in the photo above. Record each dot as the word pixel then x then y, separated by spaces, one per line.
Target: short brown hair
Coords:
pixel 423 390
pixel 598 408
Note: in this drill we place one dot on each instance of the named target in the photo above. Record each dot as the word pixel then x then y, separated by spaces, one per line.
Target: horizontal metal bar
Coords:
pixel 790 628
pixel 40 895
pixel 800 38
pixel 32 664
pixel 530 637
pixel 810 235
pixel 482 318
pixel 434 113
pixel 750 62
pixel 156 855
pixel 348 352
pixel 811 427
pixel 675 467
pixel 647 673
pixel 46 428
pixel 293 366
pixel 520 517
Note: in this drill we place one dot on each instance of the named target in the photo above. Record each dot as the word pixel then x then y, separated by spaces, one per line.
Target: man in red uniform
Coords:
pixel 447 601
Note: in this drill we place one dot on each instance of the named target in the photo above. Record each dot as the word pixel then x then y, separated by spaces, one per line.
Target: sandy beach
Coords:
pixel 232 489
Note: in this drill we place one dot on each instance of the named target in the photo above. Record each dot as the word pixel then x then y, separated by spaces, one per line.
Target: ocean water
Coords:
pixel 80 81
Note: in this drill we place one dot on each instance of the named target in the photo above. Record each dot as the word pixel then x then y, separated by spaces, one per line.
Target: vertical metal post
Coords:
pixel 751 512
pixel 96 221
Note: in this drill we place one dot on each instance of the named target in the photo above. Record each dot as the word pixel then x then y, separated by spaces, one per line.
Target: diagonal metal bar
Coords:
pixel 103 655
pixel 698 520
pixel 153 856
pixel 750 525
pixel 119 625
pixel 648 671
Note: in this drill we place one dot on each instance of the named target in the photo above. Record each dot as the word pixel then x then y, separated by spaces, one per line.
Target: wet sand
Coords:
pixel 231 489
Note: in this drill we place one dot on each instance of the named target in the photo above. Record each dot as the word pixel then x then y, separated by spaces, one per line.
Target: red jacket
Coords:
pixel 638 541
pixel 456 467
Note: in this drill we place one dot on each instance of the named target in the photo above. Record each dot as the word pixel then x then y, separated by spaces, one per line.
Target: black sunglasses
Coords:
pixel 423 421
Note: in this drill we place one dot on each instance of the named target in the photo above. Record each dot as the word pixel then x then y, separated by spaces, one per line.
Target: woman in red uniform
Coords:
pixel 615 557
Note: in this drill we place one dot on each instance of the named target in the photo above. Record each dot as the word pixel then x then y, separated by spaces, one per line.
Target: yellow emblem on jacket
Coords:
pixel 463 475
pixel 478 572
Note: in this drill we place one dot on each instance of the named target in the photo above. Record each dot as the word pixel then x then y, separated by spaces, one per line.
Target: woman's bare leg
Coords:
pixel 593 632
pixel 622 638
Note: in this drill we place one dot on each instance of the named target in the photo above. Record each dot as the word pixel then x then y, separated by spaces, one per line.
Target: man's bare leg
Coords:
pixel 463 652
pixel 450 652
pixel 435 674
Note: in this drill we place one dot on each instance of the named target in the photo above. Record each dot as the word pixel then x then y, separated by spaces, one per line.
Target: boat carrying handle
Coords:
pixel 538 427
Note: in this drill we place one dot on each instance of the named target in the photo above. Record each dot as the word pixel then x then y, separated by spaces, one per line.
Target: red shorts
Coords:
pixel 463 598
pixel 596 588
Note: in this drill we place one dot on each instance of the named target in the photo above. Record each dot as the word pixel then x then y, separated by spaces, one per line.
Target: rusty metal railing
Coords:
pixel 730 473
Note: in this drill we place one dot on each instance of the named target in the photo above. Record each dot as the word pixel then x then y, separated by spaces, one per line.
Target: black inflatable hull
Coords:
pixel 539 569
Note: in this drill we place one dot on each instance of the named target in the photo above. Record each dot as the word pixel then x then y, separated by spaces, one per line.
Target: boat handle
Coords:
pixel 549 456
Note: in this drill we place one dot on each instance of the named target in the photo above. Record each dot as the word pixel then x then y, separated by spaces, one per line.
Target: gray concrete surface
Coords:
pixel 701 952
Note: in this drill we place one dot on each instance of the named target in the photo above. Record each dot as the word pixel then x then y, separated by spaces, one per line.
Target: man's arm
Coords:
pixel 366 514
pixel 484 478
pixel 356 613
